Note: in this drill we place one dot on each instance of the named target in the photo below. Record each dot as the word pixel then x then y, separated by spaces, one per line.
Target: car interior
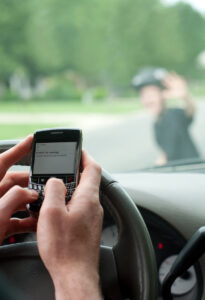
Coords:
pixel 131 75
pixel 148 220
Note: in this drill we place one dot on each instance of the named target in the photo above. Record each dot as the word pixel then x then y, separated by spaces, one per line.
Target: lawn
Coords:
pixel 16 130
pixel 101 107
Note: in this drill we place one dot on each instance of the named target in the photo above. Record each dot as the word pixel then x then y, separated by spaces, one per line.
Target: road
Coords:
pixel 128 143
pixel 117 142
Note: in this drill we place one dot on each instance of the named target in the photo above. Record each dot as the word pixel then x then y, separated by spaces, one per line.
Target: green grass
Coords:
pixel 18 131
pixel 103 107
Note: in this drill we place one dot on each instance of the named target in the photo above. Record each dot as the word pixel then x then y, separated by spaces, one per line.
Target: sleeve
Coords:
pixel 189 119
pixel 186 120
pixel 170 145
pixel 168 135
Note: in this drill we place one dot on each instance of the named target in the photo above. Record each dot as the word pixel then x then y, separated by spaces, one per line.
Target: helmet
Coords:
pixel 149 76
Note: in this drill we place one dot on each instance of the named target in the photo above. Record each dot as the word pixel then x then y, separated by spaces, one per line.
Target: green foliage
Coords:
pixel 8 95
pixel 100 93
pixel 106 42
pixel 63 88
pixel 13 18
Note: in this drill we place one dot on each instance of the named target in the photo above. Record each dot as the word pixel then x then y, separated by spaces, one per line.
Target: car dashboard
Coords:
pixel 167 243
pixel 173 208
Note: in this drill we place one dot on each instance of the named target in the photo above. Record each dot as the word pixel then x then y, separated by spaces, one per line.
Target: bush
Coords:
pixel 100 93
pixel 61 88
pixel 8 95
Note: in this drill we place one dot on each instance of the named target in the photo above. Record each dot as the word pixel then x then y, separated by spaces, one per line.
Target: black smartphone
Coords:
pixel 55 153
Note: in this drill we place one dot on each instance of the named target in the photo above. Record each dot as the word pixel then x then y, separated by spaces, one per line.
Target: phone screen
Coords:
pixel 54 158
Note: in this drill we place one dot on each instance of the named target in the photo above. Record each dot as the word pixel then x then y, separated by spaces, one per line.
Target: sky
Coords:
pixel 197 4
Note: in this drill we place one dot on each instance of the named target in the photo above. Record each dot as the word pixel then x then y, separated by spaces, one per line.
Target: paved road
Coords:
pixel 118 142
pixel 128 144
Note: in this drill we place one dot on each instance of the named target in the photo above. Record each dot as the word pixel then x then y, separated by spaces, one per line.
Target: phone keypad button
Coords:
pixel 70 186
pixel 43 180
pixel 35 179
pixel 70 179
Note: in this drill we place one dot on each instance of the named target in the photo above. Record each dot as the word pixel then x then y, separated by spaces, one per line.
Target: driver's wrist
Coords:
pixel 77 284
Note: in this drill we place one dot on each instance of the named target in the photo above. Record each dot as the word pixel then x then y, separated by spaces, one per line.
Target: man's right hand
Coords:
pixel 69 236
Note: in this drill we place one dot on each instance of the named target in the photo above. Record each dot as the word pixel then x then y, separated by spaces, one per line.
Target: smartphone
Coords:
pixel 55 153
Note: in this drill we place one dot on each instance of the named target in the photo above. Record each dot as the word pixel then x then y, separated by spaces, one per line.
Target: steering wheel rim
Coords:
pixel 131 262
pixel 136 265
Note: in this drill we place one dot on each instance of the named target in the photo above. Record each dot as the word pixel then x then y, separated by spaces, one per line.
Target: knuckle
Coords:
pixel 78 217
pixel 11 177
pixel 49 212
pixel 96 167
pixel 18 191
pixel 94 204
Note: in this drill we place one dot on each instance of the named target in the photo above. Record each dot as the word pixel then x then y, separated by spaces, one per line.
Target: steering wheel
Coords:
pixel 128 270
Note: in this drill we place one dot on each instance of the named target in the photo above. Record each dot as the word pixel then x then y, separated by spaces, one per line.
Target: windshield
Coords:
pixel 131 74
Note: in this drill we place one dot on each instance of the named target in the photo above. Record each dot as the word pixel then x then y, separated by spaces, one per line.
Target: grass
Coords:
pixel 101 107
pixel 18 131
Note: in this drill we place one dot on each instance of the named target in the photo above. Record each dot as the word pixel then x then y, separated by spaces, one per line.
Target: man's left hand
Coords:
pixel 13 197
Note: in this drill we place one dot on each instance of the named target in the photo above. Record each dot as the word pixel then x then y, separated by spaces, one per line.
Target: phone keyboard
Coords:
pixel 70 186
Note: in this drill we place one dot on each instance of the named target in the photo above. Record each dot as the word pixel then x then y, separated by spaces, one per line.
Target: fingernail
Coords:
pixel 56 178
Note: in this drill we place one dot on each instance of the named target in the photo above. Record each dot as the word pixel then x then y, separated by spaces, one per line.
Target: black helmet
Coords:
pixel 149 76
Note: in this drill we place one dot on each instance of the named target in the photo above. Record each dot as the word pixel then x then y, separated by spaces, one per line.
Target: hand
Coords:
pixel 176 87
pixel 12 196
pixel 68 236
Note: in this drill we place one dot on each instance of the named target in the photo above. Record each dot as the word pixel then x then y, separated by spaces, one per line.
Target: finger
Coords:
pixel 176 75
pixel 168 82
pixel 13 178
pixel 11 156
pixel 55 192
pixel 21 208
pixel 171 76
pixel 17 226
pixel 15 198
pixel 91 170
pixel 88 189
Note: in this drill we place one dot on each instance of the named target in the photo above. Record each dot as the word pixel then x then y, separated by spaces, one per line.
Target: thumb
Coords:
pixel 15 198
pixel 55 192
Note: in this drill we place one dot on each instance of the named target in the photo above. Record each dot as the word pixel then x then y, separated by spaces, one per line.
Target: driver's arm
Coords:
pixel 69 236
